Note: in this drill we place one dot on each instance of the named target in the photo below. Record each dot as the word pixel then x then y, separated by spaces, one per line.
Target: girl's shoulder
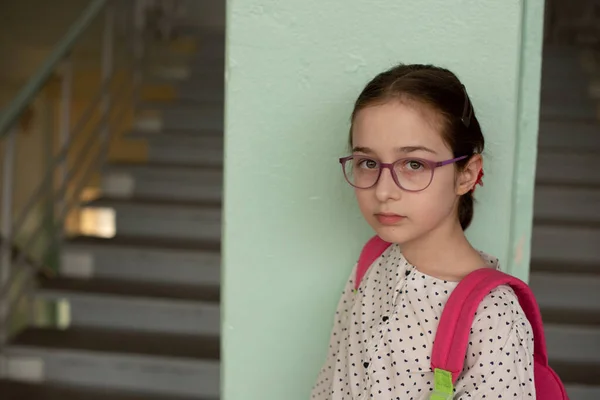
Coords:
pixel 500 311
pixel 500 335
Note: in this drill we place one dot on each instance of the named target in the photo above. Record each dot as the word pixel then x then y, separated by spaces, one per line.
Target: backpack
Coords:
pixel 449 349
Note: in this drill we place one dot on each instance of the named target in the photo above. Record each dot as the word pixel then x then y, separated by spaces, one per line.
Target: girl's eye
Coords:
pixel 367 163
pixel 413 165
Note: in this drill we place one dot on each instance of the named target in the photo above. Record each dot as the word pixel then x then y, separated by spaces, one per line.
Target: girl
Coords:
pixel 416 159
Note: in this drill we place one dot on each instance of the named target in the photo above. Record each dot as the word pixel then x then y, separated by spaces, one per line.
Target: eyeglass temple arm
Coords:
pixel 442 163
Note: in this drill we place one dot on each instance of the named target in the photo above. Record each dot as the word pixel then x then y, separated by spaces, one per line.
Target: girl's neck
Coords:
pixel 444 253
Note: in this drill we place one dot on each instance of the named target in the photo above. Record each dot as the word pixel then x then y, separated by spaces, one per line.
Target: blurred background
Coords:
pixel 111 118
pixel 111 114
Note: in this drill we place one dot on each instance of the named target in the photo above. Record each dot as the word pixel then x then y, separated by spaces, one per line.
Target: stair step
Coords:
pixel 169 73
pixel 157 364
pixel 194 93
pixel 206 138
pixel 583 392
pixel 575 106
pixel 561 61
pixel 576 111
pixel 206 84
pixel 566 69
pixel 203 78
pixel 578 375
pixel 127 305
pixel 566 203
pixel 210 58
pixel 558 267
pixel 185 68
pixel 563 72
pixel 568 168
pixel 200 92
pixel 566 293
pixel 183 147
pixel 567 95
pixel 142 260
pixel 113 287
pixel 569 135
pixel 574 88
pixel 214 95
pixel 571 317
pixel 566 245
pixel 175 153
pixel 161 219
pixel 163 181
pixel 183 105
pixel 574 352
pixel 194 119
pixel 14 390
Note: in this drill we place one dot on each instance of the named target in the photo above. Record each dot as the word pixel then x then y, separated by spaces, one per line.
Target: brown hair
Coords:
pixel 441 91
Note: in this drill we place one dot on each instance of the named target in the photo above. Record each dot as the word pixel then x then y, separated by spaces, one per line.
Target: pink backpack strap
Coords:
pixel 452 338
pixel 370 252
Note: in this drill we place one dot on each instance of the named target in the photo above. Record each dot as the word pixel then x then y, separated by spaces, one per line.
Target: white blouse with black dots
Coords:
pixel 382 337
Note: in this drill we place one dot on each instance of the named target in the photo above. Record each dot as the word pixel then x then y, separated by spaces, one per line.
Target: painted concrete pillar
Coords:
pixel 292 231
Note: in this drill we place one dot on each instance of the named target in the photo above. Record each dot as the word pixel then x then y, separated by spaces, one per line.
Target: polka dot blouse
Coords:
pixel 382 338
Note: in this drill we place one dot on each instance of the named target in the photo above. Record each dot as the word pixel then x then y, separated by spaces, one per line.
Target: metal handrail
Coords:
pixel 24 98
pixel 62 153
pixel 70 178
pixel 21 257
pixel 83 154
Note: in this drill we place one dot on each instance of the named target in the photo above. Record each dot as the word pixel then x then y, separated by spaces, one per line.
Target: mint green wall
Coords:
pixel 525 151
pixel 291 228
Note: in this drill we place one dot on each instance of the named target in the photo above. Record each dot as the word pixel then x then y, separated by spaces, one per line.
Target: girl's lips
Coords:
pixel 389 219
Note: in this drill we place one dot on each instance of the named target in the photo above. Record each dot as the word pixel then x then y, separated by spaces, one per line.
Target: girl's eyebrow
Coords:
pixel 410 149
pixel 404 149
pixel 366 150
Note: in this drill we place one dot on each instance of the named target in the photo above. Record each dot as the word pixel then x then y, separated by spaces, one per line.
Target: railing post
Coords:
pixel 7 197
pixel 107 72
pixel 64 127
pixel 139 23
pixel 7 233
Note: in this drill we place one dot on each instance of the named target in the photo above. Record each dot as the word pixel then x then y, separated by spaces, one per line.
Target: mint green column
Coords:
pixel 292 231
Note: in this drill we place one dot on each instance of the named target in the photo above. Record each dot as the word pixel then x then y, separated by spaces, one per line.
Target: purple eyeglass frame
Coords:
pixel 432 164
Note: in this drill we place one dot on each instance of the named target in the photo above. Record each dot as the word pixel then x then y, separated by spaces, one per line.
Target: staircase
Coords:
pixel 566 236
pixel 136 304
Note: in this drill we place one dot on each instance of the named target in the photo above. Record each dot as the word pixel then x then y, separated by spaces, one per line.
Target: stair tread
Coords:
pixel 157 166
pixel 573 344
pixel 558 222
pixel 569 186
pixel 119 341
pixel 571 317
pixel 104 286
pixel 208 141
pixel 575 168
pixel 178 132
pixel 110 202
pixel 578 373
pixel 565 244
pixel 150 243
pixel 188 106
pixel 559 268
pixel 578 302
pixel 13 390
pixel 186 102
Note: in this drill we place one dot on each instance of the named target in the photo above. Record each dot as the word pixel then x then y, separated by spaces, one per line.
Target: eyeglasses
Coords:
pixel 410 174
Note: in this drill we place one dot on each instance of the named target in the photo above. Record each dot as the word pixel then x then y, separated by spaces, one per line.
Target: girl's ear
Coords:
pixel 467 178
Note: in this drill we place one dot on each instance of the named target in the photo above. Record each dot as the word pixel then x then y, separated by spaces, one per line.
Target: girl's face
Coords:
pixel 395 130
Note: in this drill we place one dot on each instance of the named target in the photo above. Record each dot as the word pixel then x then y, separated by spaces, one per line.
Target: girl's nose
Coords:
pixel 386 188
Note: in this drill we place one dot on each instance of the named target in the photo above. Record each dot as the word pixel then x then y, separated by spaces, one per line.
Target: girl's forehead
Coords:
pixel 397 125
